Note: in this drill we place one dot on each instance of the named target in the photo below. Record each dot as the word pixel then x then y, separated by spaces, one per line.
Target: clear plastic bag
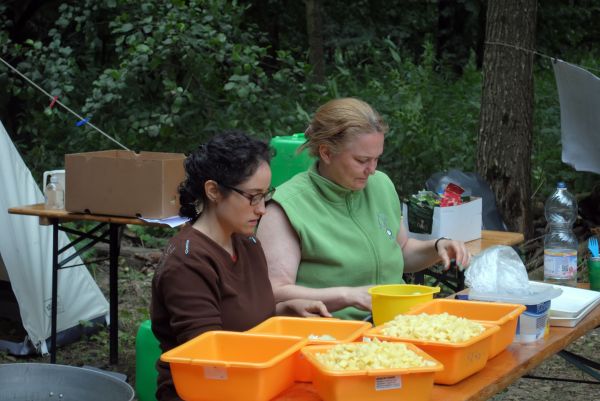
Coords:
pixel 499 270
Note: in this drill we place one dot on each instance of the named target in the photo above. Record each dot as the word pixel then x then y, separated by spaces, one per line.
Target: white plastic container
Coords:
pixel 461 222
pixel 57 173
pixel 533 323
pixel 54 194
pixel 572 306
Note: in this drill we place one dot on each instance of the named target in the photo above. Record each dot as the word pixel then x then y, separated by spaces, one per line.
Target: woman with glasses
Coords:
pixel 335 230
pixel 213 273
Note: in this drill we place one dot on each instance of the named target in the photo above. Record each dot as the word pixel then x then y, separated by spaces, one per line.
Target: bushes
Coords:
pixel 155 75
pixel 433 120
pixel 164 75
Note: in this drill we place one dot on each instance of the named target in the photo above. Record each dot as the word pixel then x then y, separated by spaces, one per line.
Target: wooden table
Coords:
pixel 491 238
pixel 107 230
pixel 502 370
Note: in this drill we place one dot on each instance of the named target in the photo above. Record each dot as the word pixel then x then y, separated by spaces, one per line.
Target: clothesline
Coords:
pixel 536 53
pixel 85 121
pixel 54 100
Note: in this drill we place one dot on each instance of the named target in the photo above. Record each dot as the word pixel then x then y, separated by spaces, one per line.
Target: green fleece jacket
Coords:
pixel 347 238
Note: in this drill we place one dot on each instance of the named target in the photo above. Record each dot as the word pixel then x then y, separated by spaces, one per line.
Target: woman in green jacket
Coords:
pixel 335 230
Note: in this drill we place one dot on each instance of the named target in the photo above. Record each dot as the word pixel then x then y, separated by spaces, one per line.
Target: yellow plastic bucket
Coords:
pixel 393 299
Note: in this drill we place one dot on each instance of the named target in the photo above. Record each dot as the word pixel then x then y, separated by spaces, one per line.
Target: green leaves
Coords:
pixel 164 75
pixel 127 27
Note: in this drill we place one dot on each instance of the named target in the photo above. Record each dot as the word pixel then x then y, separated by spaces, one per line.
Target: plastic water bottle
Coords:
pixel 54 194
pixel 560 243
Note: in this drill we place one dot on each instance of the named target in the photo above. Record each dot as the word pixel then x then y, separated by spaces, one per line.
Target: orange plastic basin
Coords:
pixel 503 315
pixel 414 384
pixel 343 331
pixel 460 360
pixel 231 366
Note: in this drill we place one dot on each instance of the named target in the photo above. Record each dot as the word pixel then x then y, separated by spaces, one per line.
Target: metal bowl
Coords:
pixel 47 382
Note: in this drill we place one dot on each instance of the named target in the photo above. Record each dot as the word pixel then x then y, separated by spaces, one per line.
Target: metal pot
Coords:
pixel 47 382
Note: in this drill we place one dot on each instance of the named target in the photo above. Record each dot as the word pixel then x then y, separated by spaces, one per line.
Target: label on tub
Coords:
pixel 388 382
pixel 474 357
pixel 532 326
pixel 215 373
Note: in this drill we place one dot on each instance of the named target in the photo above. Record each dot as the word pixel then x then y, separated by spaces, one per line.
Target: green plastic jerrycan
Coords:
pixel 286 163
pixel 147 352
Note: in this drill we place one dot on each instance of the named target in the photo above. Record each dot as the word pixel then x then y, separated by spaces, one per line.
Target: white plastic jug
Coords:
pixel 60 174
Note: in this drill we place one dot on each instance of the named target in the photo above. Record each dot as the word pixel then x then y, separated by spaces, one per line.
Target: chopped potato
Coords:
pixel 372 355
pixel 322 337
pixel 443 327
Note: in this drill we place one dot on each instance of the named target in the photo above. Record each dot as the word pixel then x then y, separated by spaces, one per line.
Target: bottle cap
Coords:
pixel 53 179
pixel 561 185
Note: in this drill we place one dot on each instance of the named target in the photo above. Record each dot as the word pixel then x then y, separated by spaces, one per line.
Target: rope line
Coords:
pixel 553 59
pixel 85 121
pixel 58 102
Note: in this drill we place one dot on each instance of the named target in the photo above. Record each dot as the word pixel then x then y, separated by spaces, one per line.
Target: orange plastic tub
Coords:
pixel 414 384
pixel 503 315
pixel 342 331
pixel 231 366
pixel 460 360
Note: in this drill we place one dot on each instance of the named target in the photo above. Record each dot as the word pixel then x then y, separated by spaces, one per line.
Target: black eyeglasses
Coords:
pixel 253 198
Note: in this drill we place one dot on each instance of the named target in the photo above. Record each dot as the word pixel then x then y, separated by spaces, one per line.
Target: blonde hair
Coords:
pixel 338 121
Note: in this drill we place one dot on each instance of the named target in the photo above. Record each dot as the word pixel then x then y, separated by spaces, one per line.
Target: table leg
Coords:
pixel 582 363
pixel 54 313
pixel 453 278
pixel 114 251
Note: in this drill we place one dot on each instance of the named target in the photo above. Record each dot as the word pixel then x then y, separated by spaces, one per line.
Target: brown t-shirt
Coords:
pixel 198 287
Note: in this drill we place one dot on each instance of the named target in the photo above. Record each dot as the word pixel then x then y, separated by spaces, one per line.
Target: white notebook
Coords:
pixel 572 301
pixel 572 305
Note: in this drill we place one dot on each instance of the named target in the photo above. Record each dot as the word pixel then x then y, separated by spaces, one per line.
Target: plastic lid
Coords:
pixel 538 293
pixel 561 185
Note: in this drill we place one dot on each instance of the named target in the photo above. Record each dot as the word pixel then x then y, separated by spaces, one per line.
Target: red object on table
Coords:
pixel 452 195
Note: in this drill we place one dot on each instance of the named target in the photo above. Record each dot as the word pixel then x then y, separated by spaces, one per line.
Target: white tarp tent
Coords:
pixel 579 95
pixel 26 249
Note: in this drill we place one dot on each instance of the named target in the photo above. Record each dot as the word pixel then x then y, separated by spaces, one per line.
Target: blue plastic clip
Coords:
pixel 82 122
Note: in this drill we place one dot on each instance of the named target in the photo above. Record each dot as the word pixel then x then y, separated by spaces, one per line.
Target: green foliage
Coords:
pixel 155 75
pixel 164 75
pixel 152 237
pixel 567 29
pixel 432 119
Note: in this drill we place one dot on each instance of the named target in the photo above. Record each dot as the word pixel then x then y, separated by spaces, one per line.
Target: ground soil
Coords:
pixel 134 296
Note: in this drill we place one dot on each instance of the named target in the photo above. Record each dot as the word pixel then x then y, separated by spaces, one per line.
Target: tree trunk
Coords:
pixel 506 119
pixel 314 28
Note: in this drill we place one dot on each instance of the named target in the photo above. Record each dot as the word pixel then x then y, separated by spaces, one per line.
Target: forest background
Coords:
pixel 165 75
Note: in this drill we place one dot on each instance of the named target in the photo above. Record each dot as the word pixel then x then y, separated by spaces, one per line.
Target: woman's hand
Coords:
pixel 303 308
pixel 449 249
pixel 359 297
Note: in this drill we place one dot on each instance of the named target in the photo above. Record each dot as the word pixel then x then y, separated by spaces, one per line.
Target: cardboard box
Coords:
pixel 124 183
pixel 462 222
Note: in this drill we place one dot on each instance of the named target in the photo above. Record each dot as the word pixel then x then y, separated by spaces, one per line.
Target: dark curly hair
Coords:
pixel 228 158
